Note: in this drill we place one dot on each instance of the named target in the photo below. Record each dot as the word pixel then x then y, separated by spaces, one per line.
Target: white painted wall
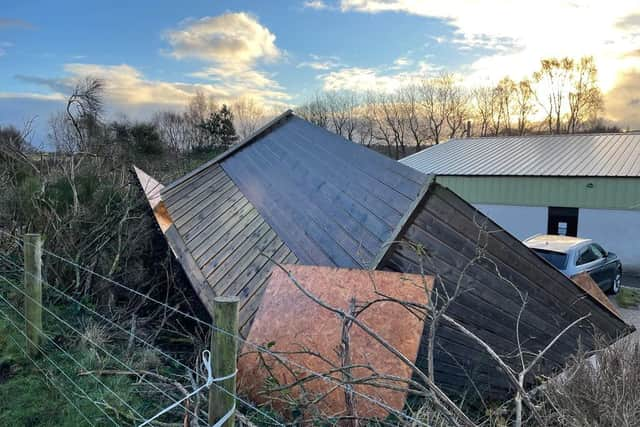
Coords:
pixel 521 221
pixel 616 230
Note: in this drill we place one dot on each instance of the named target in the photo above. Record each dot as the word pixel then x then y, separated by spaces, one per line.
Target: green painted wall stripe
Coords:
pixel 597 192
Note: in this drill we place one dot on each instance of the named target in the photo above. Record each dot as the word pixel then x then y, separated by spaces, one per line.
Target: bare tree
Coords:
pixel 341 108
pixel 414 115
pixel 199 109
pixel 585 97
pixel 444 105
pixel 248 115
pixel 173 129
pixel 524 97
pixel 554 77
pixel 457 111
pixel 316 111
pixel 365 122
pixel 503 105
pixel 83 110
pixel 85 104
pixel 483 98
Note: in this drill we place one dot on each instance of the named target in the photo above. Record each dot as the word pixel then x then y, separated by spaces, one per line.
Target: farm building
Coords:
pixel 294 193
pixel 584 185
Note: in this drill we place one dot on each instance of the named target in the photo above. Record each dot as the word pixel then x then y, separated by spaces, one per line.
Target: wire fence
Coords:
pixel 125 413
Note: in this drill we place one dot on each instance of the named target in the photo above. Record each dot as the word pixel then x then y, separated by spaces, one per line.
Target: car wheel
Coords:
pixel 617 282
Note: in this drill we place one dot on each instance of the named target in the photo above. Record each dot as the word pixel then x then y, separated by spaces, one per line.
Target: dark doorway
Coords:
pixel 563 221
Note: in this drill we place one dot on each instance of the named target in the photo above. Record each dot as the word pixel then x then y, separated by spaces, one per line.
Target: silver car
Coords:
pixel 574 255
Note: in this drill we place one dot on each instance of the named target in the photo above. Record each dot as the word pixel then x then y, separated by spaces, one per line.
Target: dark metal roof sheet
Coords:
pixel 606 155
pixel 333 202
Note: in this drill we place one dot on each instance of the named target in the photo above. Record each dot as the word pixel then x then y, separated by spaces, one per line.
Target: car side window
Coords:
pixel 587 255
pixel 601 250
pixel 597 250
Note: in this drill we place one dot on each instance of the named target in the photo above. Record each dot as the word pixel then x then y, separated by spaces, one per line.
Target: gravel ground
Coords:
pixel 631 280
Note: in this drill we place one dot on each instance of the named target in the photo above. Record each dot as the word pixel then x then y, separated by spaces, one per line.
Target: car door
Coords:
pixel 591 260
pixel 609 265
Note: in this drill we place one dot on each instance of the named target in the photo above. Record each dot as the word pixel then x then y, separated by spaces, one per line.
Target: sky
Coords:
pixel 156 54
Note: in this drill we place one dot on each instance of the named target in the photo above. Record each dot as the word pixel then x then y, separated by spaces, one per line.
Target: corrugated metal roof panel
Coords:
pixel 613 155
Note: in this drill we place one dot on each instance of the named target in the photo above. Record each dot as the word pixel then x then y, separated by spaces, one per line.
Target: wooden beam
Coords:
pixel 402 224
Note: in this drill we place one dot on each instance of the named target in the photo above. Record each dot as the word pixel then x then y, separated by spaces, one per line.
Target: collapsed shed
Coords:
pixel 294 193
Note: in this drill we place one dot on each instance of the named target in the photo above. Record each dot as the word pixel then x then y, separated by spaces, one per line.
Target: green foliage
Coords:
pixel 628 297
pixel 219 126
pixel 146 140
pixel 27 396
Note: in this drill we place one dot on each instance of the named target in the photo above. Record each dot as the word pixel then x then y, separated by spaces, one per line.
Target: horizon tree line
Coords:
pixel 563 96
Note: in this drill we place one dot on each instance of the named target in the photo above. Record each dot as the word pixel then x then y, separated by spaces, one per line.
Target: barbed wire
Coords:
pixel 258 347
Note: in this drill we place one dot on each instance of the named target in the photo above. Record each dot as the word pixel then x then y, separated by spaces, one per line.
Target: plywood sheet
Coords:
pixel 588 285
pixel 295 327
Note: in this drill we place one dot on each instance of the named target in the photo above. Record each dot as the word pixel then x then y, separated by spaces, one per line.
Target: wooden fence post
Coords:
pixel 223 358
pixel 33 290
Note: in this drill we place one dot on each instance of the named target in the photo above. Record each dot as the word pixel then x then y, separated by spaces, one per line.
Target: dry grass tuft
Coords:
pixel 600 391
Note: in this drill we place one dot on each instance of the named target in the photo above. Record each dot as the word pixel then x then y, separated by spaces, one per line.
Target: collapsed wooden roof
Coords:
pixel 297 194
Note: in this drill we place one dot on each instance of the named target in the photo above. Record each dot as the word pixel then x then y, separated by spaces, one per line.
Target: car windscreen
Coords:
pixel 558 259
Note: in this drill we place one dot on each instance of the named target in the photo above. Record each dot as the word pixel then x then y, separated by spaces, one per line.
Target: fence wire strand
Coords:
pixel 101 348
pixel 197 374
pixel 44 353
pixel 240 339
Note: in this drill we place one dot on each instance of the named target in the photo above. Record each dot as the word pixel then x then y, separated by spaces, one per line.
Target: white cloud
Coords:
pixel 623 101
pixel 232 40
pixel 402 62
pixel 374 79
pixel 318 62
pixel 521 33
pixel 316 4
pixel 232 45
pixel 34 96
pixel 512 36
pixel 235 44
pixel 127 89
pixel 3 46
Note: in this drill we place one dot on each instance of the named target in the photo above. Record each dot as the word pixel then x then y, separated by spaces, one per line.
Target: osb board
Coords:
pixel 588 285
pixel 305 334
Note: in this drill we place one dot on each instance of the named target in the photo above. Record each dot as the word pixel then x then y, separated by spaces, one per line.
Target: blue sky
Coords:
pixel 156 54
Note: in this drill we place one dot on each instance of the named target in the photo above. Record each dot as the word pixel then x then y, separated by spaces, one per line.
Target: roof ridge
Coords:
pixel 532 136
pixel 232 150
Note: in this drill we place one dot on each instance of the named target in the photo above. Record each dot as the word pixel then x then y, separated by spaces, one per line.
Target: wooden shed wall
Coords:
pixel 225 237
pixel 492 289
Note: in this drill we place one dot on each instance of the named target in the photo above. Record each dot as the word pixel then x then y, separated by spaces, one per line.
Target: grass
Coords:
pixel 27 396
pixel 628 298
